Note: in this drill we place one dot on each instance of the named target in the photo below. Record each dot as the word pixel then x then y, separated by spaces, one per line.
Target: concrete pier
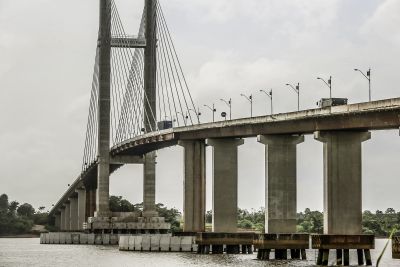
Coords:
pixel 342 181
pixel 225 183
pixel 81 207
pixel 194 198
pixel 149 185
pixel 73 209
pixel 280 182
pixel 67 218
pixel 62 218
pixel 57 220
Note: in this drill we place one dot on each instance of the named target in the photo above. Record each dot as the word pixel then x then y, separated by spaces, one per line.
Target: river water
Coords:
pixel 28 252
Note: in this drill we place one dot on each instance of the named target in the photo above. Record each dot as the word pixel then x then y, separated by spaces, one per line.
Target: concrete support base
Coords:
pixel 342 181
pixel 128 223
pixel 280 182
pixel 233 242
pixel 342 244
pixel 225 187
pixel 194 198
pixel 296 244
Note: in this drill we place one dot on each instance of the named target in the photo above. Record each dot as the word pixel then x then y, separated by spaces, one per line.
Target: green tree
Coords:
pixel 3 203
pixel 26 210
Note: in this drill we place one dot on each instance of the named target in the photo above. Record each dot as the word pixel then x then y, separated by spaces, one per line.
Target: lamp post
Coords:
pixel 213 110
pixel 297 90
pixel 368 77
pixel 329 84
pixel 229 104
pixel 250 99
pixel 269 94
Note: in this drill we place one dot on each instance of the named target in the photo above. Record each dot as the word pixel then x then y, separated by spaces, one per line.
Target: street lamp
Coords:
pixel 297 90
pixel 250 99
pixel 229 104
pixel 269 94
pixel 329 84
pixel 368 76
pixel 212 109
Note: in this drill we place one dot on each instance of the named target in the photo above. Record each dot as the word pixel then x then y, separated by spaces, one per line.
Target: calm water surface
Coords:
pixel 28 252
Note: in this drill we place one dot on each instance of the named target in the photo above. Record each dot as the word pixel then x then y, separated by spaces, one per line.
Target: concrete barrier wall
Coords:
pixel 79 239
pixel 157 243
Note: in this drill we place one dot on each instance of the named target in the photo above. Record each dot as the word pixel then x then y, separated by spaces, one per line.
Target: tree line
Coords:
pixel 19 219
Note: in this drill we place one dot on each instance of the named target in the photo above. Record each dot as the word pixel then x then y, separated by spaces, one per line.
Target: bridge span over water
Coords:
pixel 138 85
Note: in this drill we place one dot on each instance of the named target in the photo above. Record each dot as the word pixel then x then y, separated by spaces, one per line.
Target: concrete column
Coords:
pixel 342 181
pixel 103 168
pixel 57 221
pixel 73 210
pixel 280 182
pixel 62 218
pixel 194 188
pixel 90 202
pixel 67 218
pixel 149 185
pixel 225 183
pixel 81 207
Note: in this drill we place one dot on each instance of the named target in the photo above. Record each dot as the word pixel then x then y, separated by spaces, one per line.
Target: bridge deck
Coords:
pixel 376 115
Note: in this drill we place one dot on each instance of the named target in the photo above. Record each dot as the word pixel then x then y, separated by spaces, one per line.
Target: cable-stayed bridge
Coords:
pixel 140 102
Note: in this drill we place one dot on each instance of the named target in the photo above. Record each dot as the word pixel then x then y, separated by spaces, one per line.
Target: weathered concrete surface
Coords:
pixel 225 183
pixel 67 217
pixel 73 209
pixel 58 221
pixel 280 182
pixel 194 191
pixel 62 218
pixel 81 207
pixel 103 145
pixel 342 181
pixel 149 185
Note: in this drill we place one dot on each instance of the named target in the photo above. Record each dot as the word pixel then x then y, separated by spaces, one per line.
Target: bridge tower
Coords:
pixel 103 142
pixel 150 108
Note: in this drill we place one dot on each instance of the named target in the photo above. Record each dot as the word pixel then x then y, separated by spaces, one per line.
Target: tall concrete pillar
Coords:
pixel 149 185
pixel 280 182
pixel 150 107
pixel 194 188
pixel 73 211
pixel 67 218
pixel 342 181
pixel 225 183
pixel 62 218
pixel 103 169
pixel 57 221
pixel 81 207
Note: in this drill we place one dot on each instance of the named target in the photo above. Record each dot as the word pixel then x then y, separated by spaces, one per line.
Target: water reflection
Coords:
pixel 28 252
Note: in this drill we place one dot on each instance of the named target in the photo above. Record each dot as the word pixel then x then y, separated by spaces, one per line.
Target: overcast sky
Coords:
pixel 227 47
